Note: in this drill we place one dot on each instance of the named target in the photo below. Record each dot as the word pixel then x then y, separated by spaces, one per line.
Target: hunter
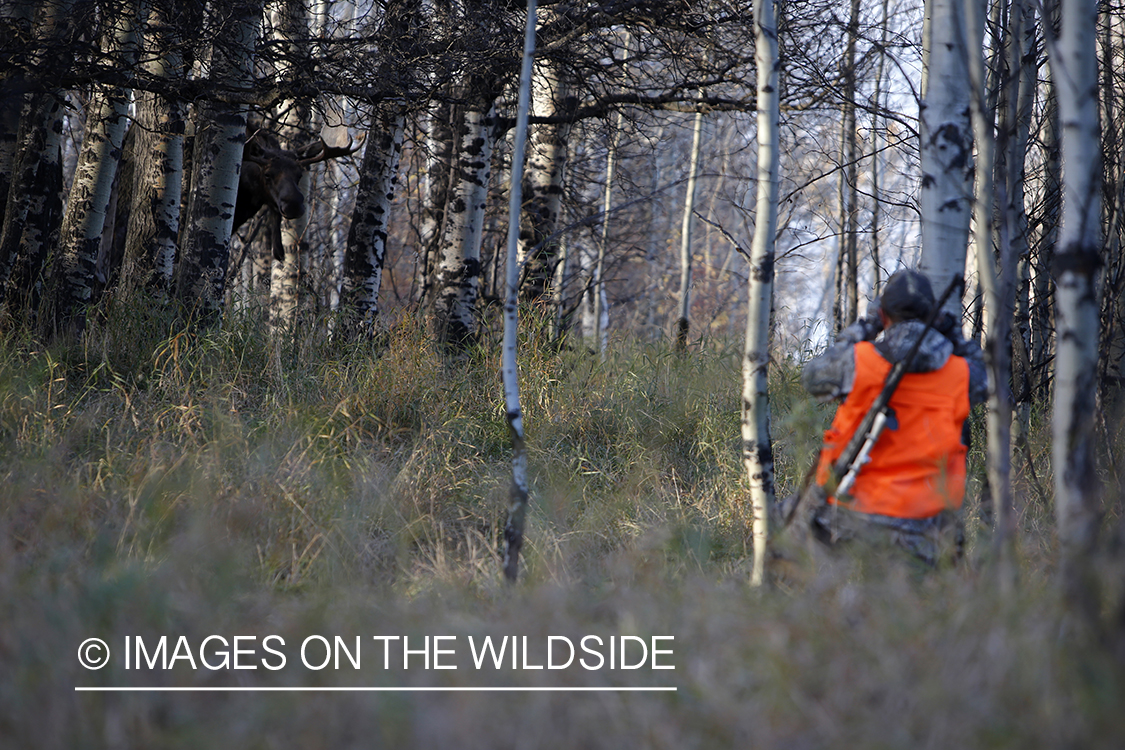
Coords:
pixel 909 493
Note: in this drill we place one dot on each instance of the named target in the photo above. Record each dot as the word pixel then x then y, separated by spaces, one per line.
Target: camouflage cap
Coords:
pixel 907 295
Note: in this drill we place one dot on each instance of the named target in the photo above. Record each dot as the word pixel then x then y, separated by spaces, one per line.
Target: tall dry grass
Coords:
pixel 157 482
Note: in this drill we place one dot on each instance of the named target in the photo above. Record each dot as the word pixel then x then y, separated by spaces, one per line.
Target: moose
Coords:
pixel 271 177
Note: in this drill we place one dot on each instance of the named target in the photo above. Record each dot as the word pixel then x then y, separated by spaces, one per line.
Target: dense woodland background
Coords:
pixel 413 77
pixel 251 274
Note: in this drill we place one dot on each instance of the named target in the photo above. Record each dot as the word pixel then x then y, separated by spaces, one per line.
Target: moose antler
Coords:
pixel 321 151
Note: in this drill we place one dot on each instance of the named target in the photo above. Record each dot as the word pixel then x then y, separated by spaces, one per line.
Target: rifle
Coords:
pixel 842 474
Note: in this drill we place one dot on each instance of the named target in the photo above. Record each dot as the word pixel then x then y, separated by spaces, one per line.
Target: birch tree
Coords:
pixel 290 30
pixel 594 303
pixel 366 249
pixel 847 261
pixel 35 198
pixel 594 295
pixel 16 20
pixel 439 156
pixel 559 320
pixel 878 131
pixel 154 218
pixel 1023 71
pixel 757 448
pixel 683 322
pixel 1074 72
pixel 457 283
pixel 35 203
pixel 80 235
pixel 518 494
pixel 945 150
pixel 543 179
pixel 997 295
pixel 599 307
pixel 220 135
pixel 654 255
pixel 336 132
pixel 1111 376
pixel 1046 240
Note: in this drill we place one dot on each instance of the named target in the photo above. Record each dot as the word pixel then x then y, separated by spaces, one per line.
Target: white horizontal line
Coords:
pixel 221 689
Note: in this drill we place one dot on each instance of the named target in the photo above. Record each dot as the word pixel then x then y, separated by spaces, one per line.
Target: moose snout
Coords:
pixel 291 207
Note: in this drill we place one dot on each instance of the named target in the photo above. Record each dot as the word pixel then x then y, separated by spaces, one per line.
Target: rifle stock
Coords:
pixel 847 466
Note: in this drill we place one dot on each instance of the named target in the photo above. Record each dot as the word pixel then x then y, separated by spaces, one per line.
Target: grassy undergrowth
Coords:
pixel 155 482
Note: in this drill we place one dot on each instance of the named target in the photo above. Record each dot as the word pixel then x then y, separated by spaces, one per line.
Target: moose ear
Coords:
pixel 251 170
pixel 253 150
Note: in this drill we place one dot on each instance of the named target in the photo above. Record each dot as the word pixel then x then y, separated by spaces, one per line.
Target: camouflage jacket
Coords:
pixel 831 375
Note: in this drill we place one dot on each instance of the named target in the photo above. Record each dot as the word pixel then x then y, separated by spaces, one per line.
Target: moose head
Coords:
pixel 271 177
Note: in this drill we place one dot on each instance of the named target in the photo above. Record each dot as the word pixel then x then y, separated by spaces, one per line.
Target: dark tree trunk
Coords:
pixel 35 206
pixel 158 161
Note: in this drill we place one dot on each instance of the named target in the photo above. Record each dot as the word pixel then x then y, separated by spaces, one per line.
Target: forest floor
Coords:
pixel 320 499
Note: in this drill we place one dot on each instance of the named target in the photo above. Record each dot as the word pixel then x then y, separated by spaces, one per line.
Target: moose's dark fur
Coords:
pixel 271 177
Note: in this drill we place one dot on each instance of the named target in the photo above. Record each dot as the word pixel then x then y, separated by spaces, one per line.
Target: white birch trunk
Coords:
pixel 562 277
pixel 337 239
pixel 757 448
pixel 220 134
pixel 876 153
pixel 200 276
pixel 848 281
pixel 945 148
pixel 518 495
pixel 1077 508
pixel 458 277
pixel 1021 38
pixel 35 204
pixel 654 257
pixel 559 280
pixel 1023 33
pixel 683 320
pixel 336 134
pixel 285 274
pixel 437 180
pixel 597 280
pixel 543 182
pixel 1046 236
pixel 290 21
pixel 596 287
pixel 997 297
pixel 1024 37
pixel 594 305
pixel 367 238
pixel 435 187
pixel 80 236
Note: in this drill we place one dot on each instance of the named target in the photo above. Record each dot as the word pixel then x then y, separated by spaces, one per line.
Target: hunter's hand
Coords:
pixel 873 320
pixel 946 325
pixel 863 329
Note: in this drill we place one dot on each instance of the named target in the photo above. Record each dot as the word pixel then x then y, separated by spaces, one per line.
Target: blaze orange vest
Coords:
pixel 916 469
